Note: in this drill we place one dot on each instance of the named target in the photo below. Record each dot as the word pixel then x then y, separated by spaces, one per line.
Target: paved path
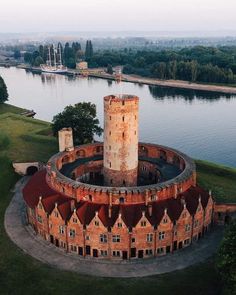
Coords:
pixel 23 236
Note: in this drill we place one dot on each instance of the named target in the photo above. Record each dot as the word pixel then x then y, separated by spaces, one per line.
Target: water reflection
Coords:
pixel 160 93
pixel 48 78
pixel 201 124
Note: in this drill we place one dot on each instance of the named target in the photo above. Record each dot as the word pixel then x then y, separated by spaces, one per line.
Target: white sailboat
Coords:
pixel 54 67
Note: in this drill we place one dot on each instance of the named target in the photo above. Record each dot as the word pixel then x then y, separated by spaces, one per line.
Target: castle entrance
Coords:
pixel 125 255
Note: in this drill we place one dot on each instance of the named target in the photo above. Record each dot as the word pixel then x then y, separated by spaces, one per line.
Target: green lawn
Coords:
pixel 20 274
pixel 8 108
pixel 220 179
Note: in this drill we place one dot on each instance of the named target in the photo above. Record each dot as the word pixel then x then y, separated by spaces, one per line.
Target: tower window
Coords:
pixel 123 118
pixel 123 134
pixel 110 164
pixel 124 182
pixel 135 132
pixel 111 181
pixel 123 102
pixel 110 117
pixel 109 147
pixel 110 133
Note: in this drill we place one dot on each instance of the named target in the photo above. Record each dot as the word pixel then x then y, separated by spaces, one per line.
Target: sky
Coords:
pixel 23 16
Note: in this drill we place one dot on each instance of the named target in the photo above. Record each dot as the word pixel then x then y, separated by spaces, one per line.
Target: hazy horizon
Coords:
pixel 203 16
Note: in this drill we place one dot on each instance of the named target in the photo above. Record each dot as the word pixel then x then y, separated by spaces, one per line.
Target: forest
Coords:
pixel 195 64
pixel 215 65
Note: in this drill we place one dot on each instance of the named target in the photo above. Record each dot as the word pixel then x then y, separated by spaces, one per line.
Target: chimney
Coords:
pixel 175 190
pixel 150 210
pixel 72 205
pixel 146 197
pixel 109 211
pixel 110 199
pixel 183 202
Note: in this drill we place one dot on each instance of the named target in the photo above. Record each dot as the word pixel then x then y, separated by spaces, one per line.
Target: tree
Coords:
pixel 3 91
pixel 38 61
pixel 41 51
pixel 17 54
pixel 89 49
pixel 110 69
pixel 226 259
pixel 82 119
pixel 28 57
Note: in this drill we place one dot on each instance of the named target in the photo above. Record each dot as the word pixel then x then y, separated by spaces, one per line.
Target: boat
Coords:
pixel 52 65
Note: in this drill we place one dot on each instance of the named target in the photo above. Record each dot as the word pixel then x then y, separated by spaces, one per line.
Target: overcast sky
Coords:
pixel 116 15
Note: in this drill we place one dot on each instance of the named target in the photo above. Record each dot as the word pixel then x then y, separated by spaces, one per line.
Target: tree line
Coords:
pixel 71 54
pixel 195 64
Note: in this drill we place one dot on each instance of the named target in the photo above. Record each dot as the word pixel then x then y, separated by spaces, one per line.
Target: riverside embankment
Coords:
pixel 100 73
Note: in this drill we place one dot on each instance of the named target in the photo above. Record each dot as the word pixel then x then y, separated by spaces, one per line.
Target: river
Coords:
pixel 201 124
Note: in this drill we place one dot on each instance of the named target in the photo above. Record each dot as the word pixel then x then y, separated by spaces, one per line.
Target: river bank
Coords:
pixel 99 73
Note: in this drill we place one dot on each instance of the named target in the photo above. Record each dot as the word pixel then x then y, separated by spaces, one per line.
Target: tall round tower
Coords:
pixel 120 140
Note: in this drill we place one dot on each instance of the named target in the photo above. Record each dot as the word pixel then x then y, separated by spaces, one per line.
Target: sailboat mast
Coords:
pixel 49 56
pixel 60 57
pixel 55 59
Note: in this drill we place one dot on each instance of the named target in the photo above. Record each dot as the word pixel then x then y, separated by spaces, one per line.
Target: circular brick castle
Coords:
pixel 120 199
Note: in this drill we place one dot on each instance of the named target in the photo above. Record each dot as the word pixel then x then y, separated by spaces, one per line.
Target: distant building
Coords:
pixel 82 65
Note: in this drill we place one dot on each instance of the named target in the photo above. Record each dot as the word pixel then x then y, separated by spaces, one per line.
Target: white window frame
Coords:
pixel 116 239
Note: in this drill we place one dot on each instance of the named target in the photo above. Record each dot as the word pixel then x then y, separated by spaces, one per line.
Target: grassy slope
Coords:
pixel 8 108
pixel 220 179
pixel 20 274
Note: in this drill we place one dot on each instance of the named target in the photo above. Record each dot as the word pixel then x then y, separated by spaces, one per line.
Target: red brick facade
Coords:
pixel 147 205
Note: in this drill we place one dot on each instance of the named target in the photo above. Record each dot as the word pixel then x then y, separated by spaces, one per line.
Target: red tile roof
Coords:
pixel 130 213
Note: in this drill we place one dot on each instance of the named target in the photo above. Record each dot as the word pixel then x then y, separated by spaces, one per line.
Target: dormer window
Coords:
pixel 56 214
pixel 119 224
pixel 165 220
pixel 74 220
pixel 96 223
pixel 40 206
pixel 143 223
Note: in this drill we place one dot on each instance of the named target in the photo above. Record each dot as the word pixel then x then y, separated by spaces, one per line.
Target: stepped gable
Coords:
pixel 130 213
pixel 49 202
pixel 192 196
